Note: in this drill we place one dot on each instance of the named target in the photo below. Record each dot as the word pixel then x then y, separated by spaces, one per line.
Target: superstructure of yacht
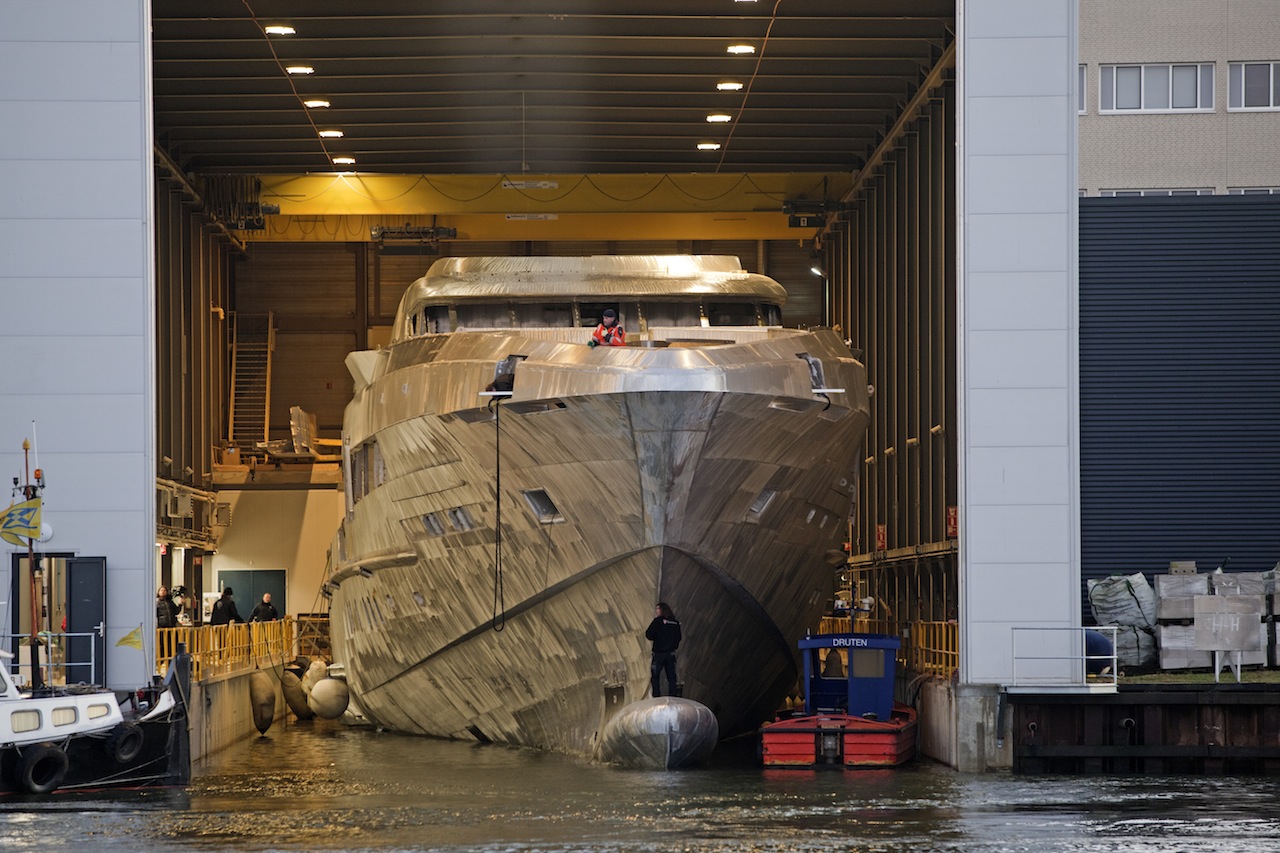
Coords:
pixel 518 501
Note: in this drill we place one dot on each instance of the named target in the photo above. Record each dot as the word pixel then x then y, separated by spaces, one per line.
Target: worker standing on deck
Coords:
pixel 166 610
pixel 608 333
pixel 266 611
pixel 664 632
pixel 224 610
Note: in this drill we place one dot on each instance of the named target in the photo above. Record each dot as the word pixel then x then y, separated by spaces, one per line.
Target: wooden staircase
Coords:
pixel 253 340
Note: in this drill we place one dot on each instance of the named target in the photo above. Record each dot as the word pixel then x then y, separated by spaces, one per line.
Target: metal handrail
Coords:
pixel 1073 665
pixel 49 664
pixel 219 649
pixel 928 648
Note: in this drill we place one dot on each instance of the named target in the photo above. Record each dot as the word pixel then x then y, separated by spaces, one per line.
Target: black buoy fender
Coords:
pixel 42 768
pixel 124 743
pixel 262 695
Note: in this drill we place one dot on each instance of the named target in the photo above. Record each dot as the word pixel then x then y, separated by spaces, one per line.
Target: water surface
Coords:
pixel 321 786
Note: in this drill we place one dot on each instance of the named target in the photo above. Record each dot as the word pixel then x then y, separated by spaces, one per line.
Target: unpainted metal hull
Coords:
pixel 660 465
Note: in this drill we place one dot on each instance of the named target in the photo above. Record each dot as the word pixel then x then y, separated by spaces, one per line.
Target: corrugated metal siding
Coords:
pixel 1179 383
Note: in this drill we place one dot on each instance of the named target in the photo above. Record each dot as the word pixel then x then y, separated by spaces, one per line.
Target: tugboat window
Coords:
pixel 96 711
pixel 24 721
pixel 544 509
pixel 64 716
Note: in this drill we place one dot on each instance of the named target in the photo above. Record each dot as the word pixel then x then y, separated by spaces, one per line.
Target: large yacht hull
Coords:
pixel 497 581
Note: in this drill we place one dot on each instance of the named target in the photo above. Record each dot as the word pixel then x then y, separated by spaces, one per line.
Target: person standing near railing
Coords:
pixel 265 611
pixel 224 610
pixel 166 610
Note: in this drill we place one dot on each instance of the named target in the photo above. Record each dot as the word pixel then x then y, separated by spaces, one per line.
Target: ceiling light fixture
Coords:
pixel 331 134
pixel 708 146
pixel 729 86
pixel 343 161
pixel 279 30
pixel 741 48
pixel 719 118
pixel 300 69
pixel 315 104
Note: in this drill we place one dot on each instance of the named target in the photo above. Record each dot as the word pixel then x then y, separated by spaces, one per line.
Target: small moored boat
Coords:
pixel 850 718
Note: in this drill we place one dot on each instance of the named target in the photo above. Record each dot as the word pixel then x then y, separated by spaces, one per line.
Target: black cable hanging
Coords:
pixel 499 604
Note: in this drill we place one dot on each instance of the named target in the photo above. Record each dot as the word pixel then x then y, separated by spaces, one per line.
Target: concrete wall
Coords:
pixel 221 713
pixel 289 530
pixel 1214 150
pixel 1017 306
pixel 76 280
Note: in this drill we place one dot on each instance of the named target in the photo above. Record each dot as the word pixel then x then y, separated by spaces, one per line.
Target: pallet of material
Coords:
pixel 1176 595
pixel 1178 651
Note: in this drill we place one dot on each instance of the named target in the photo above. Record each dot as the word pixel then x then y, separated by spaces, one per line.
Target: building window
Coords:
pixel 1254 86
pixel 1253 191
pixel 1138 193
pixel 1156 88
pixel 1080 78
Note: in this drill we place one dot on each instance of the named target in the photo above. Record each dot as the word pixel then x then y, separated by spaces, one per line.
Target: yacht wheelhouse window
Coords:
pixel 437 319
pixel 484 316
pixel 544 315
pixel 672 313
pixel 367 470
pixel 432 524
pixel 461 519
pixel 771 314
pixel 732 314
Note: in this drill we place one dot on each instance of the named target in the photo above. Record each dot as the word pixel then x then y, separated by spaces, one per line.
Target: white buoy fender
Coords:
pixel 262 695
pixel 329 698
pixel 295 697
pixel 659 734
pixel 315 672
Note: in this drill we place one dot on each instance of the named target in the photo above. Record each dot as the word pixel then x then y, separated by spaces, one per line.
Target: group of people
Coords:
pixel 224 612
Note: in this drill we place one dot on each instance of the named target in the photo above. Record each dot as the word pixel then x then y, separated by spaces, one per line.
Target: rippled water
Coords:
pixel 325 787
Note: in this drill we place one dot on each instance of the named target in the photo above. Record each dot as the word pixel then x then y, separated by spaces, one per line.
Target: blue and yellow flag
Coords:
pixel 21 520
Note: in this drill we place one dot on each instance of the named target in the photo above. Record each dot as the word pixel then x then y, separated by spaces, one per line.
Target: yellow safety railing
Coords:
pixel 931 648
pixel 934 648
pixel 218 649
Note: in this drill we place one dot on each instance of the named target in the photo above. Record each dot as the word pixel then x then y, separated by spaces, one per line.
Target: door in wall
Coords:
pixel 248 585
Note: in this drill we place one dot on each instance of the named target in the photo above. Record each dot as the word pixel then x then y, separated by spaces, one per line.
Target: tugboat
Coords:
pixel 66 737
pixel 850 718
pixel 63 738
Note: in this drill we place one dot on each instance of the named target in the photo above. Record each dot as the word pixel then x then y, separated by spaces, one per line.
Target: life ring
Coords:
pixel 124 743
pixel 42 768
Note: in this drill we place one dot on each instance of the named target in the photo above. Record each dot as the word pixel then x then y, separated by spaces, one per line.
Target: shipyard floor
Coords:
pixel 325 787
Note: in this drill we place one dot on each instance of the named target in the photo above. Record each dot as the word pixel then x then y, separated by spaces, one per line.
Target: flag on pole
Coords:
pixel 21 520
pixel 132 640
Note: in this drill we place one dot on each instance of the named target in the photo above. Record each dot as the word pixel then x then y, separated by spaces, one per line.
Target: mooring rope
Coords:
pixel 499 603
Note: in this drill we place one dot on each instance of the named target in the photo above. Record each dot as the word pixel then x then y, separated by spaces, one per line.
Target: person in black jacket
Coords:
pixel 166 610
pixel 664 632
pixel 266 611
pixel 224 610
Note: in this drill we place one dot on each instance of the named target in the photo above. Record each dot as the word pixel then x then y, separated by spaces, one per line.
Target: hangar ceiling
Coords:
pixel 503 87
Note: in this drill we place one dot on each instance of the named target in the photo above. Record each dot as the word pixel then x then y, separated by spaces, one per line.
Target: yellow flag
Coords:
pixel 21 520
pixel 133 639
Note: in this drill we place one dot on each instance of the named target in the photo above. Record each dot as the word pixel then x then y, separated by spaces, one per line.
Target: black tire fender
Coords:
pixel 42 768
pixel 124 743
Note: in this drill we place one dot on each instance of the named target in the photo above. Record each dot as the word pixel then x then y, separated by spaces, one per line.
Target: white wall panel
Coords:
pixel 1019 359
pixel 1017 417
pixel 76 280
pixel 1016 300
pixel 1019 126
pixel 1018 66
pixel 73 20
pixel 55 130
pixel 100 303
pixel 1018 475
pixel 101 186
pixel 1018 374
pixel 47 71
pixel 1017 184
pixel 1031 242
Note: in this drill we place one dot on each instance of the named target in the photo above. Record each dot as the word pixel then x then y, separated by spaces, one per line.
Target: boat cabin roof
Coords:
pixel 598 278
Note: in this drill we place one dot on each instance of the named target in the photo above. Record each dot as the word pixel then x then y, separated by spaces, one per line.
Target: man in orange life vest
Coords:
pixel 608 333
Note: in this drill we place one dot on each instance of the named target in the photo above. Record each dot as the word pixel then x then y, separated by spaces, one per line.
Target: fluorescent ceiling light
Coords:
pixel 343 161
pixel 719 118
pixel 316 104
pixel 729 86
pixel 741 48
pixel 279 30
pixel 300 69
pixel 708 146
pixel 331 134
